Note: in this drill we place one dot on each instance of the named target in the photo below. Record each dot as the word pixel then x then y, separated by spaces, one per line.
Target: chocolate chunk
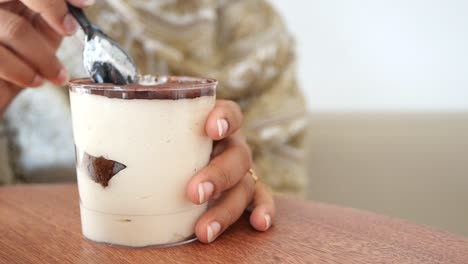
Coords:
pixel 100 169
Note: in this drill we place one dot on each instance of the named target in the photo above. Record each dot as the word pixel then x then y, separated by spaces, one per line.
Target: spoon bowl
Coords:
pixel 103 58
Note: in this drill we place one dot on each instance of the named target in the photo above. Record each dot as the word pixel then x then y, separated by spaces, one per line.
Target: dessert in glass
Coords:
pixel 137 146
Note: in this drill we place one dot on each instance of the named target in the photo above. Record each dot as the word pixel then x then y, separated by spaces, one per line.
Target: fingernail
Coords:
pixel 212 231
pixel 62 77
pixel 37 81
pixel 88 2
pixel 204 191
pixel 69 24
pixel 267 221
pixel 222 127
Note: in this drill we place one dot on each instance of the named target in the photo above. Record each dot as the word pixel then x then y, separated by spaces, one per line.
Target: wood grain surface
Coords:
pixel 40 224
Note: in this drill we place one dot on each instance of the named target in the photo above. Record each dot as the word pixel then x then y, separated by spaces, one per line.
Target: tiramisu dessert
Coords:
pixel 137 146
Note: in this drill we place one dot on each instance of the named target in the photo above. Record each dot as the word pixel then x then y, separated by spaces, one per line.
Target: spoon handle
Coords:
pixel 80 16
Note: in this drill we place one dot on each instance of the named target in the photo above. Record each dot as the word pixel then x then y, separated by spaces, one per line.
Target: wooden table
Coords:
pixel 40 224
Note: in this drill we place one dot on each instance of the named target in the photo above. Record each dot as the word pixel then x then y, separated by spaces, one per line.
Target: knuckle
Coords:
pixel 228 215
pixel 13 70
pixel 235 108
pixel 222 175
pixel 8 88
pixel 47 5
pixel 247 186
pixel 51 67
pixel 245 154
pixel 15 27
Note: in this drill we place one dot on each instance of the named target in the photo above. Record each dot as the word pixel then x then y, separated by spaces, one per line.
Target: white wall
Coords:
pixel 381 55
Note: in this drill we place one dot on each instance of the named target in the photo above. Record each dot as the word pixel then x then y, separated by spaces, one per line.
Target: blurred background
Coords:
pixel 387 89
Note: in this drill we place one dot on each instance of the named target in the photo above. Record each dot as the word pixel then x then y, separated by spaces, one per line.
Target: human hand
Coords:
pixel 30 33
pixel 226 182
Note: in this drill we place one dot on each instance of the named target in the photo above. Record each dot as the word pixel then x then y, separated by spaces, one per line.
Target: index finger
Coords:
pixel 224 120
pixel 55 13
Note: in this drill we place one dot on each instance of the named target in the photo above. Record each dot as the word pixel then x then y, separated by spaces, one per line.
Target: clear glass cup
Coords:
pixel 137 146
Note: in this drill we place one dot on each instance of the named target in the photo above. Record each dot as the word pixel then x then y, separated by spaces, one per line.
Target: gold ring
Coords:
pixel 254 176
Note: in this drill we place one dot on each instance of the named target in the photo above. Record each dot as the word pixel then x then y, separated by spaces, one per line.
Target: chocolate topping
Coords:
pixel 100 169
pixel 173 88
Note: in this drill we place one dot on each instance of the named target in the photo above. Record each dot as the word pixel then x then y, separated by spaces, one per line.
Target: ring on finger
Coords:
pixel 253 174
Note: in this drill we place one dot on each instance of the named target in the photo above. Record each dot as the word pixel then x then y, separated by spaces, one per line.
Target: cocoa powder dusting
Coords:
pixel 173 89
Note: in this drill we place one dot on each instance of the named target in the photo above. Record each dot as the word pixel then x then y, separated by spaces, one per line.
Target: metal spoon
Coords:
pixel 103 58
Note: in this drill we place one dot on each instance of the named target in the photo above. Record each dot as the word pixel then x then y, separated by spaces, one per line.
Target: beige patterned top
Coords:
pixel 243 44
